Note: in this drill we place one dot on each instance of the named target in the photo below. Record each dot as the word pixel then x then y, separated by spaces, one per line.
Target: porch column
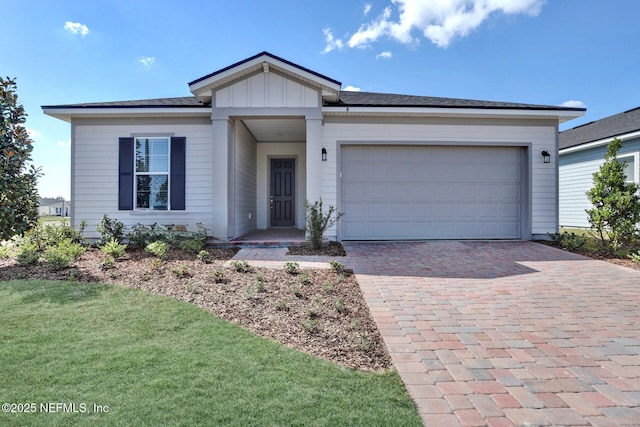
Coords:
pixel 220 172
pixel 314 158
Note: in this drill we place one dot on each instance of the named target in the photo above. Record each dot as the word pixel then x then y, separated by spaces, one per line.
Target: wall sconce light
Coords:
pixel 324 154
pixel 546 156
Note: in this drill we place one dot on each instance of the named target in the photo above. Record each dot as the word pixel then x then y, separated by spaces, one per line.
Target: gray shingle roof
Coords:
pixel 372 99
pixel 347 99
pixel 186 101
pixel 616 125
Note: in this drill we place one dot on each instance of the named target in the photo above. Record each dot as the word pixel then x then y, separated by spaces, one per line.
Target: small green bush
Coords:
pixel 193 244
pixel 319 222
pixel 635 256
pixel 310 326
pixel 28 254
pixel 5 252
pixel 340 306
pixel 570 241
pixel 181 271
pixel 292 267
pixel 241 266
pixel 304 279
pixel 204 256
pixel 58 258
pixel 218 276
pixel 111 229
pixel 157 249
pixel 114 249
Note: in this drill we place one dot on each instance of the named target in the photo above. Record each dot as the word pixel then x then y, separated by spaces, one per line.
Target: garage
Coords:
pixel 402 192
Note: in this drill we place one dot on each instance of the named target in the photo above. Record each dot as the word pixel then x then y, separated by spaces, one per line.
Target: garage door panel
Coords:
pixel 431 192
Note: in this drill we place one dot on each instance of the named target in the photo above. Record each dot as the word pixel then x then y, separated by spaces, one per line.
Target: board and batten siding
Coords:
pixel 94 187
pixel 538 134
pixel 576 171
pixel 266 90
pixel 244 188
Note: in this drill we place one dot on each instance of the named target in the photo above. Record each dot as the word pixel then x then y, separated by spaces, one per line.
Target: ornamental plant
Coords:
pixel 615 214
pixel 318 222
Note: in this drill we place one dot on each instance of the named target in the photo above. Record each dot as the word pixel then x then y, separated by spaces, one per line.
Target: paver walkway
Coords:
pixel 506 333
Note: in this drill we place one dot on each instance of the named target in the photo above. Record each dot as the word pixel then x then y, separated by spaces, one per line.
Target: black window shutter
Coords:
pixel 125 181
pixel 177 170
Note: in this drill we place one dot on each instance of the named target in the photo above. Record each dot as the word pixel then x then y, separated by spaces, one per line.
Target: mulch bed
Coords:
pixel 625 262
pixel 319 311
pixel 327 249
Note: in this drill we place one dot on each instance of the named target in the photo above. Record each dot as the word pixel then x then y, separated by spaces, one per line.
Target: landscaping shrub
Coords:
pixel 114 249
pixel 63 254
pixel 157 249
pixel 28 254
pixel 111 229
pixel 319 222
pixel 616 204
pixel 570 241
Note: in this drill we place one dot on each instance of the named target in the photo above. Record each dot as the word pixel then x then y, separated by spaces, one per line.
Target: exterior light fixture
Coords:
pixel 324 154
pixel 546 156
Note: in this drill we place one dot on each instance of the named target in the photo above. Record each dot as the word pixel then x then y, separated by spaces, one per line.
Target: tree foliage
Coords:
pixel 616 205
pixel 18 176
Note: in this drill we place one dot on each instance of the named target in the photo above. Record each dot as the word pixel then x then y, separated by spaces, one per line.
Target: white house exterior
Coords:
pixel 60 208
pixel 582 151
pixel 261 136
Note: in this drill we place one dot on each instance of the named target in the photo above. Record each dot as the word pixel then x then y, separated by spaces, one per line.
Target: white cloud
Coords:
pixel 76 28
pixel 147 61
pixel 64 143
pixel 573 104
pixel 352 89
pixel 367 8
pixel 332 42
pixel 438 21
pixel 384 55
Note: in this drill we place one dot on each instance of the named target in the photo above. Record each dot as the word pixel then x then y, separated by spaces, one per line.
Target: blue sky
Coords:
pixel 532 51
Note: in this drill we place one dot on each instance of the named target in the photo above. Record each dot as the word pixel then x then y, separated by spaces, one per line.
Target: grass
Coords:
pixel 157 361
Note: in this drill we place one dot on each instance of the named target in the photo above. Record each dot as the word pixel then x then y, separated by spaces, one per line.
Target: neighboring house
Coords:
pixel 582 151
pixel 55 208
pixel 261 136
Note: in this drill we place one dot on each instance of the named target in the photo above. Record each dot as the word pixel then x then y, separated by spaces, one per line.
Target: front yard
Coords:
pixel 84 353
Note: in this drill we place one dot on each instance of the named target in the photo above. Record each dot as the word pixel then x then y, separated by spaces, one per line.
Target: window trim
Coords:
pixel 166 173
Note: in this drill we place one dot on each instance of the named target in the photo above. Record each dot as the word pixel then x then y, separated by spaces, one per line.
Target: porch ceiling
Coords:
pixel 277 130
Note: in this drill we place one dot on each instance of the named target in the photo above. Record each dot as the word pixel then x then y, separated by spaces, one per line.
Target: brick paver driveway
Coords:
pixel 507 333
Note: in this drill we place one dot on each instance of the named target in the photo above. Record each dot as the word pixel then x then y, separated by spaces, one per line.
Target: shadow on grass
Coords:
pixel 55 292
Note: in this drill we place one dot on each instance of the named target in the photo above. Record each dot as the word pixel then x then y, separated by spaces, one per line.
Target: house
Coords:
pixel 54 207
pixel 258 138
pixel 582 151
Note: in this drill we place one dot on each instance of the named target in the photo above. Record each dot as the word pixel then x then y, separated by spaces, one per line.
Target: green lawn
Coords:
pixel 156 361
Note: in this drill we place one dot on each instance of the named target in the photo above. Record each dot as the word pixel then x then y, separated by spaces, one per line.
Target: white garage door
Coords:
pixel 431 192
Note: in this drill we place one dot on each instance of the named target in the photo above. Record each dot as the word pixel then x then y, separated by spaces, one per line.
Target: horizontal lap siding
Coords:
pixel 95 166
pixel 540 134
pixel 576 178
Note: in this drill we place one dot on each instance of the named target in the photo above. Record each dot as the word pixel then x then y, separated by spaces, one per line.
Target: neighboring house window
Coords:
pixel 152 173
pixel 630 167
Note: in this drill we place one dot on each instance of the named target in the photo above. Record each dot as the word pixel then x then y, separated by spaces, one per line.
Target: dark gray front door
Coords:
pixel 282 199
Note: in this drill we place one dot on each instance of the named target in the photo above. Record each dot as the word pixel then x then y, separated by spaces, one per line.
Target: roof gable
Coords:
pixel 616 125
pixel 203 87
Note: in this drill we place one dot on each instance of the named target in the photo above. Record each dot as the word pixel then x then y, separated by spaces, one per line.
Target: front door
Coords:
pixel 282 198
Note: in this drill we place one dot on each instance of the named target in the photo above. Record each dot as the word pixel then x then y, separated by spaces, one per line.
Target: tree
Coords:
pixel 616 204
pixel 18 176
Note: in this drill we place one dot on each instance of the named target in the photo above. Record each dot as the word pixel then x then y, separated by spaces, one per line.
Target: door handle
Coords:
pixel 271 202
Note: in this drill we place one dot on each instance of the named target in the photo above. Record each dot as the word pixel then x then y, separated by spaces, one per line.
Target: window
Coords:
pixel 629 167
pixel 152 173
